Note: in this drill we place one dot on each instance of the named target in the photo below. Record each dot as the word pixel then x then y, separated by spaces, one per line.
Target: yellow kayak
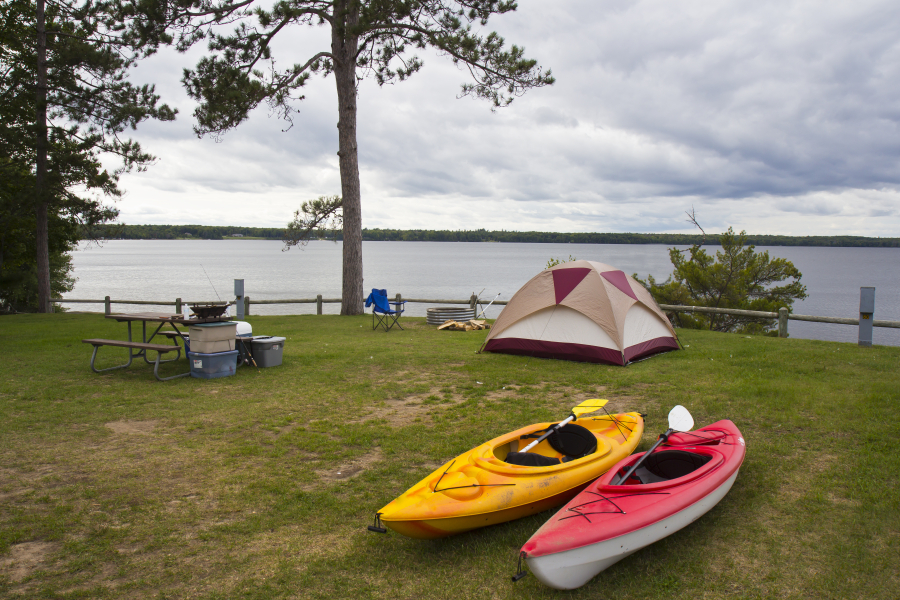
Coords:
pixel 481 488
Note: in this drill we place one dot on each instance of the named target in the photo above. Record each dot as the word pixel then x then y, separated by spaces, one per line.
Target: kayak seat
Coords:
pixel 530 459
pixel 573 441
pixel 669 464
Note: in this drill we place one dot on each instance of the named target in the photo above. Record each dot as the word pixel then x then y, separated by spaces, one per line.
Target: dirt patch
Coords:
pixel 350 468
pixel 278 431
pixel 10 496
pixel 132 427
pixel 415 408
pixel 315 546
pixel 618 404
pixel 424 467
pixel 25 558
pixel 502 394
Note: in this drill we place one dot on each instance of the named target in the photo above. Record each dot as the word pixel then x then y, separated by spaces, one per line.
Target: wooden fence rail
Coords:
pixel 782 315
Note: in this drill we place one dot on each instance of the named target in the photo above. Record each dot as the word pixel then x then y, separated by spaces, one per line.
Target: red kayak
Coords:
pixel 677 484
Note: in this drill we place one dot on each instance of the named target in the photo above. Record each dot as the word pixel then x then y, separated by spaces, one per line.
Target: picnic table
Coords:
pixel 140 348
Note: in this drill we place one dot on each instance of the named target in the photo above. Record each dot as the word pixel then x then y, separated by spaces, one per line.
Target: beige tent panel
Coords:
pixel 560 324
pixel 639 291
pixel 534 295
pixel 647 300
pixel 597 266
pixel 620 304
pixel 590 298
pixel 644 324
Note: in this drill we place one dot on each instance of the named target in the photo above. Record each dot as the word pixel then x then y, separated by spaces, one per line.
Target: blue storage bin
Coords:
pixel 211 366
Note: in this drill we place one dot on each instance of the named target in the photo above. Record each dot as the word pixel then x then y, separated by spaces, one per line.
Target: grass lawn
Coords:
pixel 261 485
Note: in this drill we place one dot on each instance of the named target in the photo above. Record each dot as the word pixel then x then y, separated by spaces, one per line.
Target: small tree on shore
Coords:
pixel 737 277
pixel 558 261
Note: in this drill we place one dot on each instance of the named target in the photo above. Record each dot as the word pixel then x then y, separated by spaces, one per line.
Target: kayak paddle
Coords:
pixel 679 420
pixel 588 406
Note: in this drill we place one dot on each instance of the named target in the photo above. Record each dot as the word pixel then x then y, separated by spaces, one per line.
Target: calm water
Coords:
pixel 197 270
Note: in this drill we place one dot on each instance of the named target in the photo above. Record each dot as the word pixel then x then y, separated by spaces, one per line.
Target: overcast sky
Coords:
pixel 777 117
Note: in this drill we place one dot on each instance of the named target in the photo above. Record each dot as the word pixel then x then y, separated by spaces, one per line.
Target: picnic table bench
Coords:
pixel 142 349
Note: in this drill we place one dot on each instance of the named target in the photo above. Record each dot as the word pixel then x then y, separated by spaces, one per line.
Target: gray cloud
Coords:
pixel 774 117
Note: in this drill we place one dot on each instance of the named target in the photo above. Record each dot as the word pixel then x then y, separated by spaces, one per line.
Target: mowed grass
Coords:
pixel 261 485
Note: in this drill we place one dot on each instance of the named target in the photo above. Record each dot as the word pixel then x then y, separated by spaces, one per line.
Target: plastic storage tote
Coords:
pixel 211 366
pixel 213 347
pixel 213 332
pixel 267 350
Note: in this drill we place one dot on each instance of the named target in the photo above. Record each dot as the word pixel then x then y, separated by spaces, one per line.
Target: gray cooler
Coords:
pixel 267 350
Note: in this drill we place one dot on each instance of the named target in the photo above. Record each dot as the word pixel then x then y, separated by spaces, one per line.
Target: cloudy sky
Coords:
pixel 777 117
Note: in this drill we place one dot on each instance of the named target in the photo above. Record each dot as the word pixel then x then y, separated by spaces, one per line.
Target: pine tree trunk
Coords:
pixel 42 238
pixel 344 46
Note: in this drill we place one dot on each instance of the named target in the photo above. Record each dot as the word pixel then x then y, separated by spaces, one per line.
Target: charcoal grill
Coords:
pixel 207 311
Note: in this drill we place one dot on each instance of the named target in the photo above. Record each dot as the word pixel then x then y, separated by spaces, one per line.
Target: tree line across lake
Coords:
pixel 218 232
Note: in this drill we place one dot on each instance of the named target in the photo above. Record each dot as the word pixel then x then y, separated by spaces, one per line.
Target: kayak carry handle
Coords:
pixel 377 527
pixel 520 572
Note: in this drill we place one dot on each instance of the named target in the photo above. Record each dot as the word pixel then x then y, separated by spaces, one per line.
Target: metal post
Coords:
pixel 107 309
pixel 866 315
pixel 319 304
pixel 246 306
pixel 178 305
pixel 782 322
pixel 239 298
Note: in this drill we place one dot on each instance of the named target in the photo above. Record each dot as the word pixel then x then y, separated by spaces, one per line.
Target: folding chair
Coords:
pixel 382 313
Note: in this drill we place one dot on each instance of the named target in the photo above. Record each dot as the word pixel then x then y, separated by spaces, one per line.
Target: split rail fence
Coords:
pixel 783 315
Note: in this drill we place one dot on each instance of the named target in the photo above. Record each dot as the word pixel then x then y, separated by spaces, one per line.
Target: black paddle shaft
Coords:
pixel 663 438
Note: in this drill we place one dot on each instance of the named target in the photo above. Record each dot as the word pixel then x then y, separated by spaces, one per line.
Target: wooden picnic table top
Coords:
pixel 165 317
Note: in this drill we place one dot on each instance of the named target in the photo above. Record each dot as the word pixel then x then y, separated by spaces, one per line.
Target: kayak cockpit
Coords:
pixel 569 442
pixel 664 465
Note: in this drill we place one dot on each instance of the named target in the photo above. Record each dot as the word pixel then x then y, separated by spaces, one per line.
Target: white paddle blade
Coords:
pixel 680 419
pixel 589 406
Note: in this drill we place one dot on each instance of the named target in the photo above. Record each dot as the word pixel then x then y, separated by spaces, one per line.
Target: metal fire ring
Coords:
pixel 436 316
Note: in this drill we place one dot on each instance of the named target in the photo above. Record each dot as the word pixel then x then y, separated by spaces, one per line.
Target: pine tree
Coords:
pixel 65 103
pixel 371 37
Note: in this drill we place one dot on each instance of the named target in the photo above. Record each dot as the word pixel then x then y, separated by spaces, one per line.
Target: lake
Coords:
pixel 203 270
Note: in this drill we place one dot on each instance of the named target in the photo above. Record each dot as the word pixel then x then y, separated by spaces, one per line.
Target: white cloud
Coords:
pixel 774 117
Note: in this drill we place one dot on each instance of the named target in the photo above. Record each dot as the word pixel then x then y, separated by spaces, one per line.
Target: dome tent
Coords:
pixel 582 311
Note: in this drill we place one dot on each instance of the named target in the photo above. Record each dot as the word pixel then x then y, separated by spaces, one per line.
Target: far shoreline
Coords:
pixel 236 232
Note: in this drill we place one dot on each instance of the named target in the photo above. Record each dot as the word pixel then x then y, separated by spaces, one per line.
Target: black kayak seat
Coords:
pixel 669 464
pixel 571 440
pixel 530 459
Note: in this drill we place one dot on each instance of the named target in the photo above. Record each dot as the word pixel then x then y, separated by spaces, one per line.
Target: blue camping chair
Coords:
pixel 382 313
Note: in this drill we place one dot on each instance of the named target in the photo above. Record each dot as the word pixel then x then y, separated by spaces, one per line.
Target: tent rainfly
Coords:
pixel 583 311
